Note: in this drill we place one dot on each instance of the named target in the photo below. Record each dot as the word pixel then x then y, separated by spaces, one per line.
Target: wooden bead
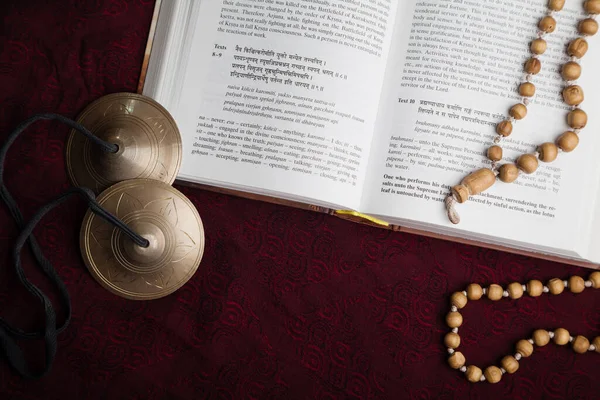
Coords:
pixel 568 141
pixel 561 336
pixel 578 47
pixel 508 173
pixel 494 153
pixel 504 128
pixel 595 279
pixel 524 348
pixel 535 288
pixel 494 292
pixel 533 66
pixel 592 6
pixel 548 152
pixel 581 344
pixel 541 337
pixel 556 286
pixel 571 71
pixel 510 364
pixel 527 89
pixel 538 46
pixel 576 284
pixel 493 374
pixel 474 291
pixel 588 27
pixel 473 373
pixel 527 163
pixel 515 290
pixel 518 111
pixel 456 360
pixel 573 95
pixel 577 118
pixel 452 340
pixel 458 299
pixel 597 344
pixel 454 319
pixel 473 184
pixel 556 5
pixel 547 24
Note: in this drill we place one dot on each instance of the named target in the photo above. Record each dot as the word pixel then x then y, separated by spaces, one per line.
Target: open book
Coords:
pixel 380 106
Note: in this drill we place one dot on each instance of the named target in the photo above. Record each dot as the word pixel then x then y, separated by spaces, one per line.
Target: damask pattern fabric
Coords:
pixel 287 304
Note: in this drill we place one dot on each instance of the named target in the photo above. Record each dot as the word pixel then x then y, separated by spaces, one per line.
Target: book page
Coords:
pixel 281 96
pixel 453 76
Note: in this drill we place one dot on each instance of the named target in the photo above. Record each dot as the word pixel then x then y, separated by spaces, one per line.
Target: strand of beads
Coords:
pixel 532 67
pixel 524 348
pixel 482 179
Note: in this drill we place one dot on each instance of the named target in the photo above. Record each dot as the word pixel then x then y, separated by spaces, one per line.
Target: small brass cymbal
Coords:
pixel 159 213
pixel 148 139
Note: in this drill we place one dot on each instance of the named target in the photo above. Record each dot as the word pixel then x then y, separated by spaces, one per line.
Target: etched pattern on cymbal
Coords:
pixel 148 139
pixel 162 215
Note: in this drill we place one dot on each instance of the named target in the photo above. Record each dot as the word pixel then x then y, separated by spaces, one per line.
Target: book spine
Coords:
pixel 148 50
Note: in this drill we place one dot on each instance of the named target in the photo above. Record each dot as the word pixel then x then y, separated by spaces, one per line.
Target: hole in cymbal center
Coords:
pixel 155 248
pixel 115 136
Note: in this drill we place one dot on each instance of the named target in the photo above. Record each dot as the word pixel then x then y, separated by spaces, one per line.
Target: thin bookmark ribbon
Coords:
pixel 9 334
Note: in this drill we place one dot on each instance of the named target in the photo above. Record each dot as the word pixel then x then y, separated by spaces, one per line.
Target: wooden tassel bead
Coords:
pixel 548 152
pixel 573 95
pixel 515 290
pixel 556 5
pixel 581 344
pixel 595 279
pixel 568 141
pixel 493 374
pixel 538 46
pixel 494 153
pixel 504 128
pixel 524 348
pixel 494 292
pixel 452 340
pixel 473 373
pixel 473 184
pixel 597 344
pixel 547 24
pixel 508 173
pixel 456 360
pixel 588 27
pixel 556 286
pixel 571 71
pixel 518 111
pixel 454 319
pixel 576 284
pixel 458 299
pixel 541 337
pixel 510 364
pixel 474 291
pixel 535 288
pixel 592 6
pixel 527 163
pixel 577 118
pixel 578 47
pixel 561 336
pixel 533 66
pixel 527 89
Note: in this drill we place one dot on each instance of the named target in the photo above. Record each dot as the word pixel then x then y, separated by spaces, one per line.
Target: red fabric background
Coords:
pixel 286 304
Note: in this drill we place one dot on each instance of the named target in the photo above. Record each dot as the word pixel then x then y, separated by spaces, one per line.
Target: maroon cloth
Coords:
pixel 286 304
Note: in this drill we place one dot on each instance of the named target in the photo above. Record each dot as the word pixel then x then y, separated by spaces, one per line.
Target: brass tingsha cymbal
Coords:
pixel 162 215
pixel 148 139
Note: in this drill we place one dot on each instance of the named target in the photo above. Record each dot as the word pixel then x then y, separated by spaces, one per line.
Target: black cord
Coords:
pixel 8 333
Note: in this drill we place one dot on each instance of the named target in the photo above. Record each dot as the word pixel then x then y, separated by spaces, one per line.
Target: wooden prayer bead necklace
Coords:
pixel 524 348
pixel 482 179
